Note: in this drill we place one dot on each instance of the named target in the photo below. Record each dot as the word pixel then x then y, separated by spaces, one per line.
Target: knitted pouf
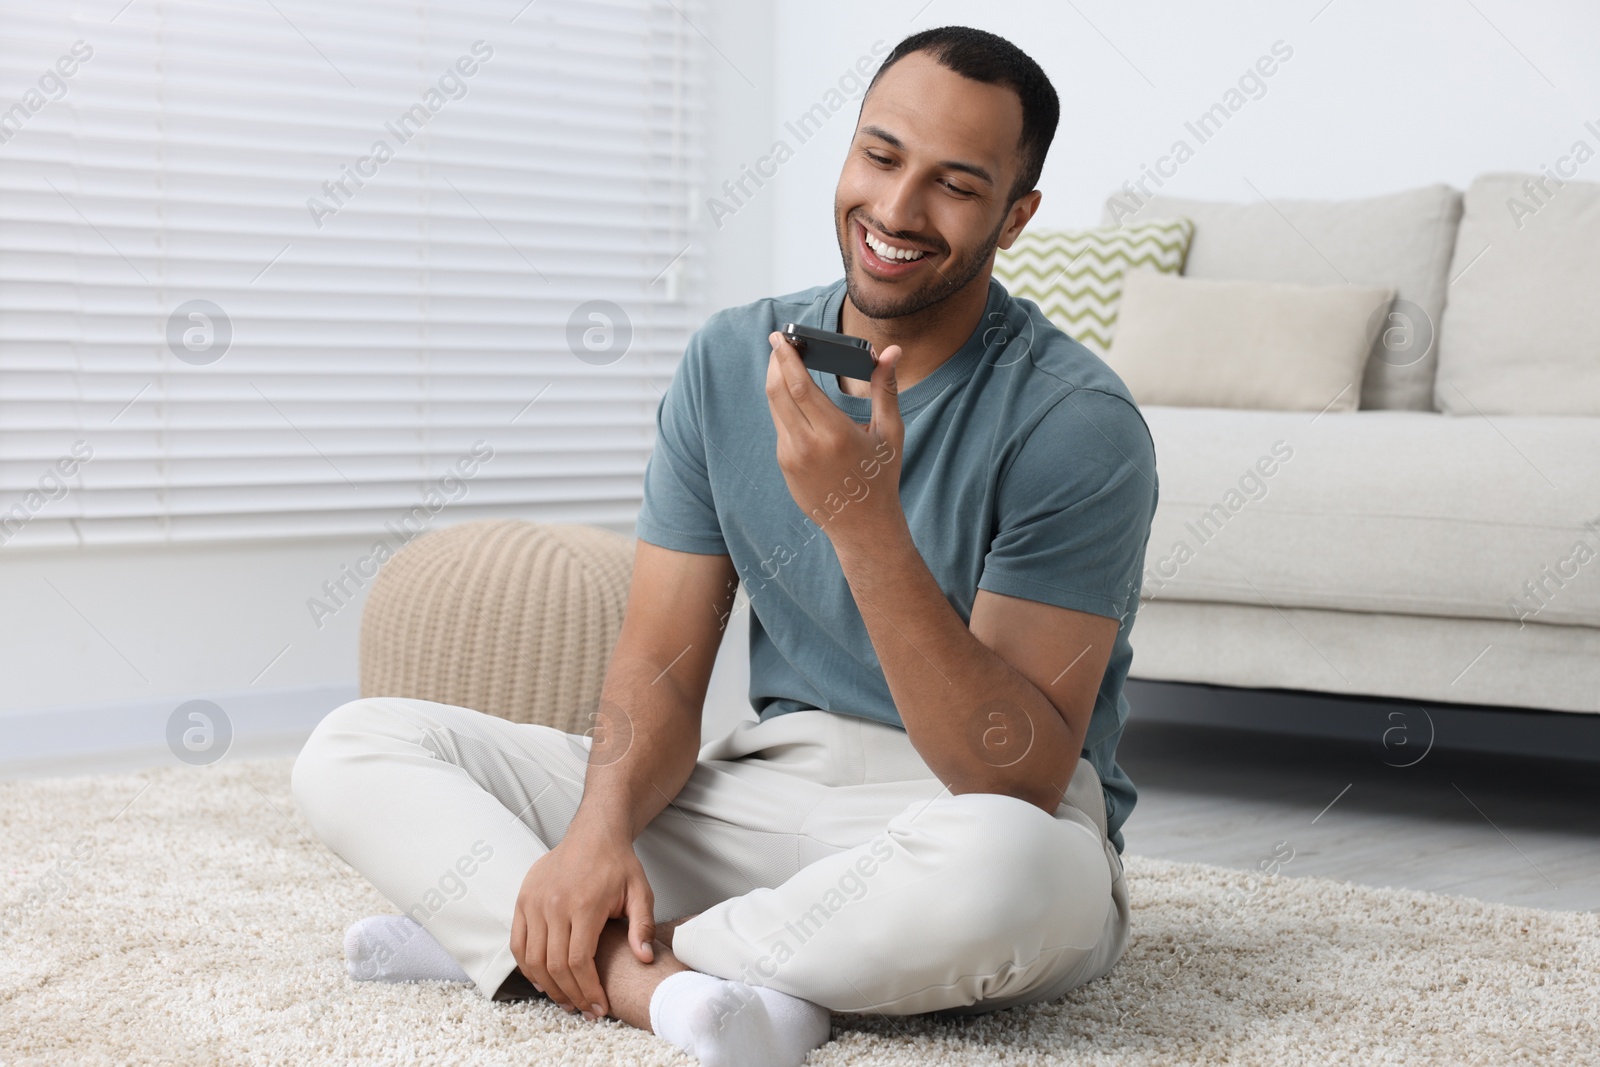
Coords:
pixel 516 619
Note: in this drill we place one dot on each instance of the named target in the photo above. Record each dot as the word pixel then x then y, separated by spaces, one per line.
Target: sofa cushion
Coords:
pixel 1404 240
pixel 1521 331
pixel 1075 276
pixel 1196 342
pixel 1406 512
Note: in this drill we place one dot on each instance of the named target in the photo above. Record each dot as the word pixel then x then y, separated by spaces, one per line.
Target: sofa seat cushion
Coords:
pixel 1408 512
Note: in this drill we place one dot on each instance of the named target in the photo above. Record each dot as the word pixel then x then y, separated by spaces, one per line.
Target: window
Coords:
pixel 295 268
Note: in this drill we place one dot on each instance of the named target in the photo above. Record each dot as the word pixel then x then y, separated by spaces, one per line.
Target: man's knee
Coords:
pixel 345 732
pixel 1005 864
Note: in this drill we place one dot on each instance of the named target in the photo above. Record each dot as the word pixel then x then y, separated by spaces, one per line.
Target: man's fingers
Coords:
pixel 641 922
pixel 786 413
pixel 792 368
pixel 886 397
pixel 533 956
pixel 556 953
pixel 519 943
pixel 782 416
pixel 580 959
pixel 519 936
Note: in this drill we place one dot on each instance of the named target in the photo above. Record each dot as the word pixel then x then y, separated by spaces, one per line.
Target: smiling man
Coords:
pixel 942 567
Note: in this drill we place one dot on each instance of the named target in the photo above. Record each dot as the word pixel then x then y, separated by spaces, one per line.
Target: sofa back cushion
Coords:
pixel 1402 240
pixel 1521 332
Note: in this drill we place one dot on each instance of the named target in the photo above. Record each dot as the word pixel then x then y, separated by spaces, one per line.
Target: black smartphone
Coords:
pixel 832 353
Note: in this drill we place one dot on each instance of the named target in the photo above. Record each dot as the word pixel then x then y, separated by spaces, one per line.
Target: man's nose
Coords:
pixel 899 207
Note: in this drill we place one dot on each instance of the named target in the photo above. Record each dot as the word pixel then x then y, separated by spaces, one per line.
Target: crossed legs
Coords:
pixel 862 896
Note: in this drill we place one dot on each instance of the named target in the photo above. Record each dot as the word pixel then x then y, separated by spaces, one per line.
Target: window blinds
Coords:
pixel 291 268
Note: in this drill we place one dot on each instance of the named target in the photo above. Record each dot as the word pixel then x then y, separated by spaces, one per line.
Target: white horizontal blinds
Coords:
pixel 395 210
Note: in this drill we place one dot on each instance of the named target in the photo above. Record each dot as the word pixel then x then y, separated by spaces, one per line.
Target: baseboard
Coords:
pixel 126 735
pixel 1397 730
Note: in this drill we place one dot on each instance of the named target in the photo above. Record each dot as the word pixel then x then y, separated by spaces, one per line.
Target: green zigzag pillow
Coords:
pixel 1075 276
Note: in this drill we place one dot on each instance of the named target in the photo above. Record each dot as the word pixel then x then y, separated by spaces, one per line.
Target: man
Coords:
pixel 942 568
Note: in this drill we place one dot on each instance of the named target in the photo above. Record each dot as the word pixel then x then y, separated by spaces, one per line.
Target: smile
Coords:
pixel 885 250
pixel 885 260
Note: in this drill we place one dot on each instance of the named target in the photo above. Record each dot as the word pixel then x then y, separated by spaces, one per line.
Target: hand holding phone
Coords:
pixel 832 353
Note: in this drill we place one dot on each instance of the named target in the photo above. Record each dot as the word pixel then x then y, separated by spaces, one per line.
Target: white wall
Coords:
pixel 1377 97
pixel 94 625
pixel 742 86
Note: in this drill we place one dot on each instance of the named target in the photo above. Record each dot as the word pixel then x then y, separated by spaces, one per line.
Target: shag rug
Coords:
pixel 187 916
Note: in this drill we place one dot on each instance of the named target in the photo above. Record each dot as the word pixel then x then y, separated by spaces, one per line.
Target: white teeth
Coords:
pixel 888 251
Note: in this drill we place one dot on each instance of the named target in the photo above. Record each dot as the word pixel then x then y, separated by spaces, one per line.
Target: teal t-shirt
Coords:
pixel 1027 471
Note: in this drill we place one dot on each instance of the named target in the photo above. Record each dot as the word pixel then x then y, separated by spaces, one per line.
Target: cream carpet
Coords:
pixel 183 916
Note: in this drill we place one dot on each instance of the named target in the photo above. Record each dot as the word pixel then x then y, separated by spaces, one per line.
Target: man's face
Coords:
pixel 921 201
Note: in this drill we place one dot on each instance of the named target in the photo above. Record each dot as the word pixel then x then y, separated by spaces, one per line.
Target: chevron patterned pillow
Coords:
pixel 1075 276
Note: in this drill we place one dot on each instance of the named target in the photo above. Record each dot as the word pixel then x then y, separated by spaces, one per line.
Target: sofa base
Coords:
pixel 1451 660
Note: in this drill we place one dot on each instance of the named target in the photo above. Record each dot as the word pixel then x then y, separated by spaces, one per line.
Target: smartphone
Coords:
pixel 832 353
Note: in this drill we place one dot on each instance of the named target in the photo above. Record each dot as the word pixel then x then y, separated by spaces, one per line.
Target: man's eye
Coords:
pixel 958 190
pixel 876 158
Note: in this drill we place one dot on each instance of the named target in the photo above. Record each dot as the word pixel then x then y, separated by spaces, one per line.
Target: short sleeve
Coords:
pixel 678 510
pixel 1074 508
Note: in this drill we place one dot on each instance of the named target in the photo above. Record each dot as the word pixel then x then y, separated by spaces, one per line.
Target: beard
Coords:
pixel 957 274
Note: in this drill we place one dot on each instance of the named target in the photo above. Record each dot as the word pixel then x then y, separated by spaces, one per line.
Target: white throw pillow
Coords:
pixel 1199 343
pixel 1521 332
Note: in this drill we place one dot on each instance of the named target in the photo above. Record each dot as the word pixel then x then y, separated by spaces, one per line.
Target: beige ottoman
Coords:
pixel 516 619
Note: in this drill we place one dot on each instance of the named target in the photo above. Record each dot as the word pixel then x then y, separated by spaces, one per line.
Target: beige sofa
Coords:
pixel 1443 542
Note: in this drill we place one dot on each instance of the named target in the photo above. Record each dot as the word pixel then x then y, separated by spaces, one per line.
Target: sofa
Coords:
pixel 1439 543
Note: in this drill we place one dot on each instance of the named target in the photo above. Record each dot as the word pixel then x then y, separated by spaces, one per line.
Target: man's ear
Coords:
pixel 1017 217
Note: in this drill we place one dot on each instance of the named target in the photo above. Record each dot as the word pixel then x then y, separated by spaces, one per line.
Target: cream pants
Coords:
pixel 818 853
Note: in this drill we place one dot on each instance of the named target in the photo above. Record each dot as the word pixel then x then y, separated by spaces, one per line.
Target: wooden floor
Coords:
pixel 1512 829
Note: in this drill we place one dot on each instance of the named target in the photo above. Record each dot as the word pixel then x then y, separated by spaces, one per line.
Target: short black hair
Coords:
pixel 991 59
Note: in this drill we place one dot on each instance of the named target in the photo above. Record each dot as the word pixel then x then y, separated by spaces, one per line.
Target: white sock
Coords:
pixel 395 948
pixel 731 1024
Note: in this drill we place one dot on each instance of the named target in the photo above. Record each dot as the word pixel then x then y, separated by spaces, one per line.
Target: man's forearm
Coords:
pixel 977 722
pixel 645 739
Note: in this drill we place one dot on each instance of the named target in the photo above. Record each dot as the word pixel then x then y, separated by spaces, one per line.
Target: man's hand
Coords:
pixel 845 476
pixel 566 899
